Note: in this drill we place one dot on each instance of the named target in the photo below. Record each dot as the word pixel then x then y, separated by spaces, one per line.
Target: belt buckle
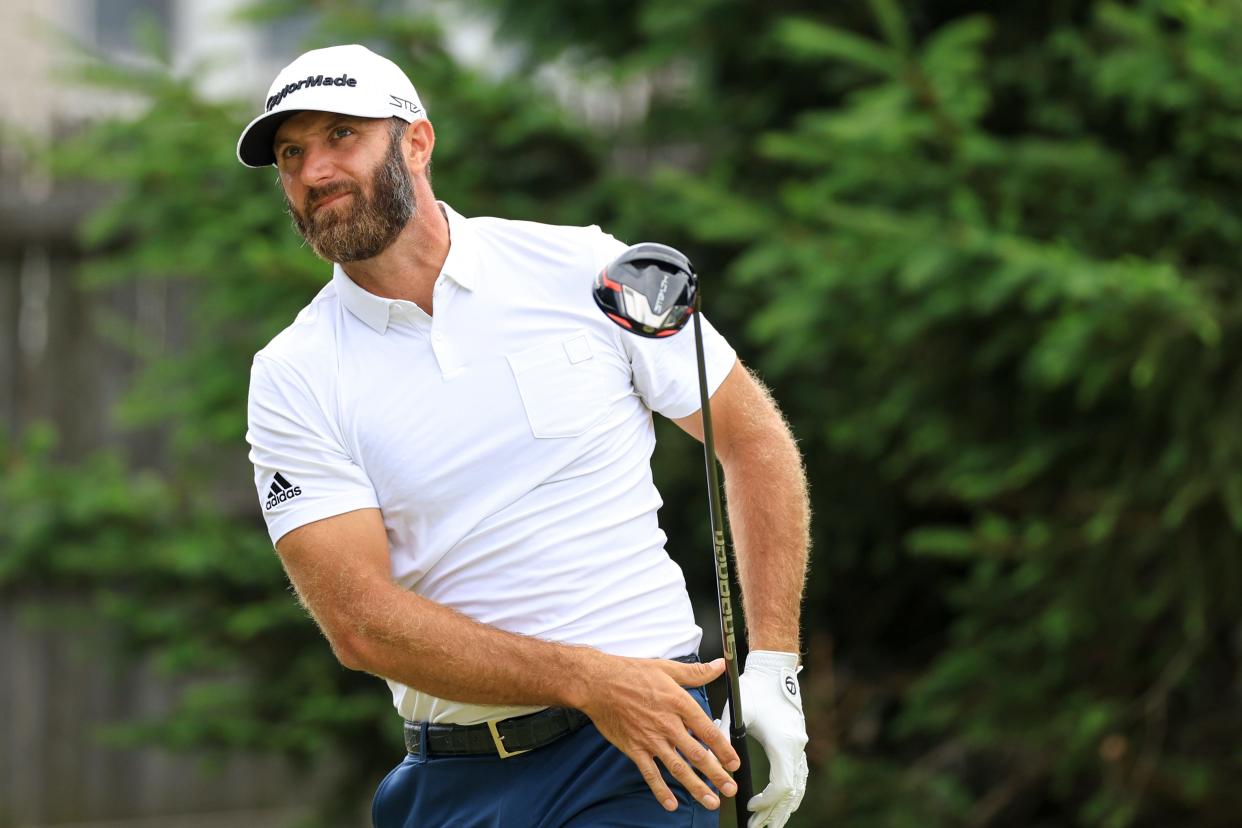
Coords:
pixel 499 742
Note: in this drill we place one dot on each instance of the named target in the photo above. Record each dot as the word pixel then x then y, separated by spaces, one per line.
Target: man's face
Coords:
pixel 345 182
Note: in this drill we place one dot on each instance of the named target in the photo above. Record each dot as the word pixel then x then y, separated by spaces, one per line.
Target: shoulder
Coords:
pixel 308 344
pixel 556 245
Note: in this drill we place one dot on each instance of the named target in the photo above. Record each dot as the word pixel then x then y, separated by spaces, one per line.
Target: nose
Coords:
pixel 316 168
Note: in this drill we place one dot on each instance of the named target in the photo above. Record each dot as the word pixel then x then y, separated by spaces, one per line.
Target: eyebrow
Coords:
pixel 348 120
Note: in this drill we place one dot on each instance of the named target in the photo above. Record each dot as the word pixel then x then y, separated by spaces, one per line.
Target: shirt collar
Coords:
pixel 461 266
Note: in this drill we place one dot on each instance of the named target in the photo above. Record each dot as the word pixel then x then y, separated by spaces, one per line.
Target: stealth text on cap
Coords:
pixel 311 80
pixel 402 103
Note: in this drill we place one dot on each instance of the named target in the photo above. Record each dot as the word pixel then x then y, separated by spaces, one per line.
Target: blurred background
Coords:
pixel 985 254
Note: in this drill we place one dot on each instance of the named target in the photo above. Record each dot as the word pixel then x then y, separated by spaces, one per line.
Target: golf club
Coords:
pixel 651 290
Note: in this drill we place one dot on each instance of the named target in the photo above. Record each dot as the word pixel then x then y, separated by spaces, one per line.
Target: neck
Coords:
pixel 408 268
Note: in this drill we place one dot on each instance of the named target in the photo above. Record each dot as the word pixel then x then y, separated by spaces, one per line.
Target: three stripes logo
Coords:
pixel 281 491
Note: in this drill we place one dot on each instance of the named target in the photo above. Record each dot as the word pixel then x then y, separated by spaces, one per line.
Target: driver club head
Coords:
pixel 649 290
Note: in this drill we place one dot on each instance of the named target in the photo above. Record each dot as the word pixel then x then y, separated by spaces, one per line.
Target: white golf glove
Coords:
pixel 772 707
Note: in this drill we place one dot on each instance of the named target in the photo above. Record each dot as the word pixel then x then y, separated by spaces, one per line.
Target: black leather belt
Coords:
pixel 504 738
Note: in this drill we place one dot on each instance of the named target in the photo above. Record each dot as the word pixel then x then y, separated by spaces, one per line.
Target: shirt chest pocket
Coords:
pixel 563 386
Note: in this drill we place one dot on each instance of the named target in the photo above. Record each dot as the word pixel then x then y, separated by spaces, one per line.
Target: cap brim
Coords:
pixel 254 147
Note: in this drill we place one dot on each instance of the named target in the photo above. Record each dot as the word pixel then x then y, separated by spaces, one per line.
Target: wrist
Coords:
pixel 576 676
pixel 775 639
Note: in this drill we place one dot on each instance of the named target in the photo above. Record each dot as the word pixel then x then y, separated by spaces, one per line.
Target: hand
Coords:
pixel 641 706
pixel 772 707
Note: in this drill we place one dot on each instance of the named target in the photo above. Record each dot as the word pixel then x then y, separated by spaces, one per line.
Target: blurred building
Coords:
pixel 56 691
pixel 50 367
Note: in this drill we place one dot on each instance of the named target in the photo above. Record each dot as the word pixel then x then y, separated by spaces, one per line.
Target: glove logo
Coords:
pixel 791 686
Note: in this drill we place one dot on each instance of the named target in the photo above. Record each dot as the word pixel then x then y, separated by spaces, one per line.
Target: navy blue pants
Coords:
pixel 578 781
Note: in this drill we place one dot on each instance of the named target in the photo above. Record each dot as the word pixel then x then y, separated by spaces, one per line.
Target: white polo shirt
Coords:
pixel 506 441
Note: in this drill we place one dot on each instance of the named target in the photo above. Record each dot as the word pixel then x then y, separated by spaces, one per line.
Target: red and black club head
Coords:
pixel 649 290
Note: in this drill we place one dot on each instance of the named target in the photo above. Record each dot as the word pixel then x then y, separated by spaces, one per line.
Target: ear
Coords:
pixel 418 142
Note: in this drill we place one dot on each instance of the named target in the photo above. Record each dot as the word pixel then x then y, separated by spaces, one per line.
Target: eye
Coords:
pixel 341 132
pixel 289 151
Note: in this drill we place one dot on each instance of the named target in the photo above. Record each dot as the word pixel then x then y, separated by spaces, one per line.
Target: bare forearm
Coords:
pixel 340 569
pixel 769 519
pixel 407 638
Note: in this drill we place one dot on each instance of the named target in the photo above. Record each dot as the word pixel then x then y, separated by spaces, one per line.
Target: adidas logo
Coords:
pixel 281 491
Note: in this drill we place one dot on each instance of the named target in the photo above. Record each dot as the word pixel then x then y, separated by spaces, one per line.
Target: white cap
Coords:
pixel 350 80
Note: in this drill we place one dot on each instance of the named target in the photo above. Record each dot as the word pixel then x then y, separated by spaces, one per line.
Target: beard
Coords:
pixel 366 226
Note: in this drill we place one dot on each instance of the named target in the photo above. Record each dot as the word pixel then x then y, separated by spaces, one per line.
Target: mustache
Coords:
pixel 316 195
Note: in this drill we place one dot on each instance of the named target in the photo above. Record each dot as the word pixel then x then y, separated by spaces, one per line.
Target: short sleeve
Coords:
pixel 665 371
pixel 301 470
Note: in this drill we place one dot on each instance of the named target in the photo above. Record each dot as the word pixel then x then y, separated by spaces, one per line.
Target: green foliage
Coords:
pixel 986 259
pixel 197 593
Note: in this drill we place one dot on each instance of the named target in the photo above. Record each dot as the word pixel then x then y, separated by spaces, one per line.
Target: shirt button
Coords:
pixel 437 336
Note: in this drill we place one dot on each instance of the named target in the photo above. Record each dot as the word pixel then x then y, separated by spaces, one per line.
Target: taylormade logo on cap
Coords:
pixel 348 80
pixel 317 80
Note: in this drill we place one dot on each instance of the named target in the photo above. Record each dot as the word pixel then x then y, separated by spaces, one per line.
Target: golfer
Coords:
pixel 452 452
